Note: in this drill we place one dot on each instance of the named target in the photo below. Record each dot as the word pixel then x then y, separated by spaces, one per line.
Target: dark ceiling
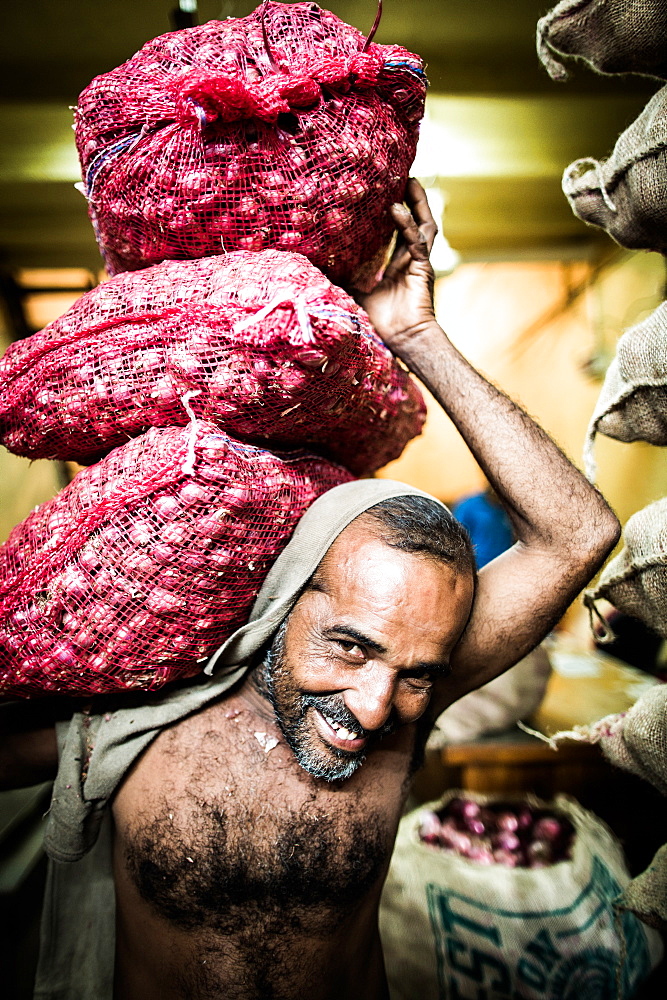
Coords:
pixel 515 128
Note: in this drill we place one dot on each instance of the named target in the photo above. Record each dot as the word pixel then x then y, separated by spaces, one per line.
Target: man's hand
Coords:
pixel 401 305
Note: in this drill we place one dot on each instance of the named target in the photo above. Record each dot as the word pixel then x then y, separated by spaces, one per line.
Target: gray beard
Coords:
pixel 291 708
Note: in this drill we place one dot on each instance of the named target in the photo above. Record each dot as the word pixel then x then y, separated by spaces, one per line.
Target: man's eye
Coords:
pixel 421 679
pixel 350 647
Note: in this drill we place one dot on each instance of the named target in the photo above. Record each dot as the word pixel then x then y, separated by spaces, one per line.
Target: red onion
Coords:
pixel 500 833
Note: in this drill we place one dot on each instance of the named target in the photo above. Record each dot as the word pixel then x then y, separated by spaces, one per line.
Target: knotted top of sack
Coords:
pixel 223 70
pixel 610 36
pixel 207 97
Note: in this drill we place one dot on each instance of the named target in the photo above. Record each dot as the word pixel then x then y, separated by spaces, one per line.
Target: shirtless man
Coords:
pixel 248 875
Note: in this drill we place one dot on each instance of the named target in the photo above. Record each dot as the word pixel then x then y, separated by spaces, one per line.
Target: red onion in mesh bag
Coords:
pixel 140 568
pixel 273 351
pixel 212 138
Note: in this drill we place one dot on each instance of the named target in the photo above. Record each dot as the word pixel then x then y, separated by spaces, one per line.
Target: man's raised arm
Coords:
pixel 564 527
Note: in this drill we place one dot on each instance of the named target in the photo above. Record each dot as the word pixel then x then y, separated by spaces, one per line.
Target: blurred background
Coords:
pixel 532 296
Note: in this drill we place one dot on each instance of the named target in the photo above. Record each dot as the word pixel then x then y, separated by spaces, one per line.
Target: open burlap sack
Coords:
pixel 635 740
pixel 632 405
pixel 635 581
pixel 611 36
pixel 625 194
pixel 453 927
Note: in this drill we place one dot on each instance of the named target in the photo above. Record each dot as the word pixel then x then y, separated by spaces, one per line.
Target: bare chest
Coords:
pixel 219 828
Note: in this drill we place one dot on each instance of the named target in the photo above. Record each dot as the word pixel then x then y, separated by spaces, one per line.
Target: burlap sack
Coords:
pixel 636 741
pixel 635 581
pixel 625 195
pixel 497 705
pixel 611 36
pixel 452 927
pixel 632 405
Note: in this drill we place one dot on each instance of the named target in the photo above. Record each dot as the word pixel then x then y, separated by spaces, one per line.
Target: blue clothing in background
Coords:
pixel 488 526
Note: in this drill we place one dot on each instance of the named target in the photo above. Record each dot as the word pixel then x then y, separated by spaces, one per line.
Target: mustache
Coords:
pixel 334 707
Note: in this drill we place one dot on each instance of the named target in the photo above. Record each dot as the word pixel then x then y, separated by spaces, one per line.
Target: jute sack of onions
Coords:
pixel 635 580
pixel 611 36
pixel 147 561
pixel 285 129
pixel 261 344
pixel 625 195
pixel 461 917
pixel 632 405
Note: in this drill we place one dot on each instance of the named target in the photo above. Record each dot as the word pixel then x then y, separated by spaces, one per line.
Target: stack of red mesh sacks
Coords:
pixel 175 380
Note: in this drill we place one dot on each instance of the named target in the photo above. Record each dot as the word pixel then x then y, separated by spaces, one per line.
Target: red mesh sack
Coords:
pixel 241 134
pixel 147 561
pixel 263 345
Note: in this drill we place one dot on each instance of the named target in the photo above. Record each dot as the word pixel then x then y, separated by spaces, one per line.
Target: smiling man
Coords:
pixel 254 814
pixel 371 633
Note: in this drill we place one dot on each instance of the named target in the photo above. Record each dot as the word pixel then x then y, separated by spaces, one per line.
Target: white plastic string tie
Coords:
pixel 278 300
pixel 304 321
pixel 189 464
pixel 551 741
pixel 299 306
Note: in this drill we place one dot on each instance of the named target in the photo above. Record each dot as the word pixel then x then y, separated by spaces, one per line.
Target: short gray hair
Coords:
pixel 414 523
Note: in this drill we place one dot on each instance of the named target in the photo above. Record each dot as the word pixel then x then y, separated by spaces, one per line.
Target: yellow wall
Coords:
pixel 23 484
pixel 513 322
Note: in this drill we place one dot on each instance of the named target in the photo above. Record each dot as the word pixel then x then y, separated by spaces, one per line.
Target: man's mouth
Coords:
pixel 336 735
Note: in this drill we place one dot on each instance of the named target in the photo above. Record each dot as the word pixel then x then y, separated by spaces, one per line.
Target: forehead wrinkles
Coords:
pixel 360 561
pixel 356 548
pixel 389 588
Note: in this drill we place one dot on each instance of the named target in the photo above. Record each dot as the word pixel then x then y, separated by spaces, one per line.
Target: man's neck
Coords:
pixel 253 692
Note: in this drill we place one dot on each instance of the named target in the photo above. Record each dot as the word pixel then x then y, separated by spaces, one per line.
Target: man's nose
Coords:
pixel 371 698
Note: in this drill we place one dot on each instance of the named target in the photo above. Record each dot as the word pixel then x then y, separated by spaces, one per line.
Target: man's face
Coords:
pixel 360 652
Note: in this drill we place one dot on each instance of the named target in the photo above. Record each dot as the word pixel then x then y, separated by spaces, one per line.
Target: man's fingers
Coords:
pixel 417 202
pixel 415 242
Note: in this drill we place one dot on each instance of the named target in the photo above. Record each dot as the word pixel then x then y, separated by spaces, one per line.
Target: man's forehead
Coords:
pixel 360 534
pixel 363 546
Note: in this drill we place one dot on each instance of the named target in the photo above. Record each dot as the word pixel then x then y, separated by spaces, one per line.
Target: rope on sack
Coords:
pixel 376 25
pixel 189 464
pixel 578 168
pixel 298 305
pixel 594 617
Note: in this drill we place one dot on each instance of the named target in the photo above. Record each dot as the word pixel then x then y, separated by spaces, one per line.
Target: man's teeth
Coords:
pixel 341 731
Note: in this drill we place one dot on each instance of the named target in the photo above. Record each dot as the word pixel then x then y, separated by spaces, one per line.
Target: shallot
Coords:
pixel 516 836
